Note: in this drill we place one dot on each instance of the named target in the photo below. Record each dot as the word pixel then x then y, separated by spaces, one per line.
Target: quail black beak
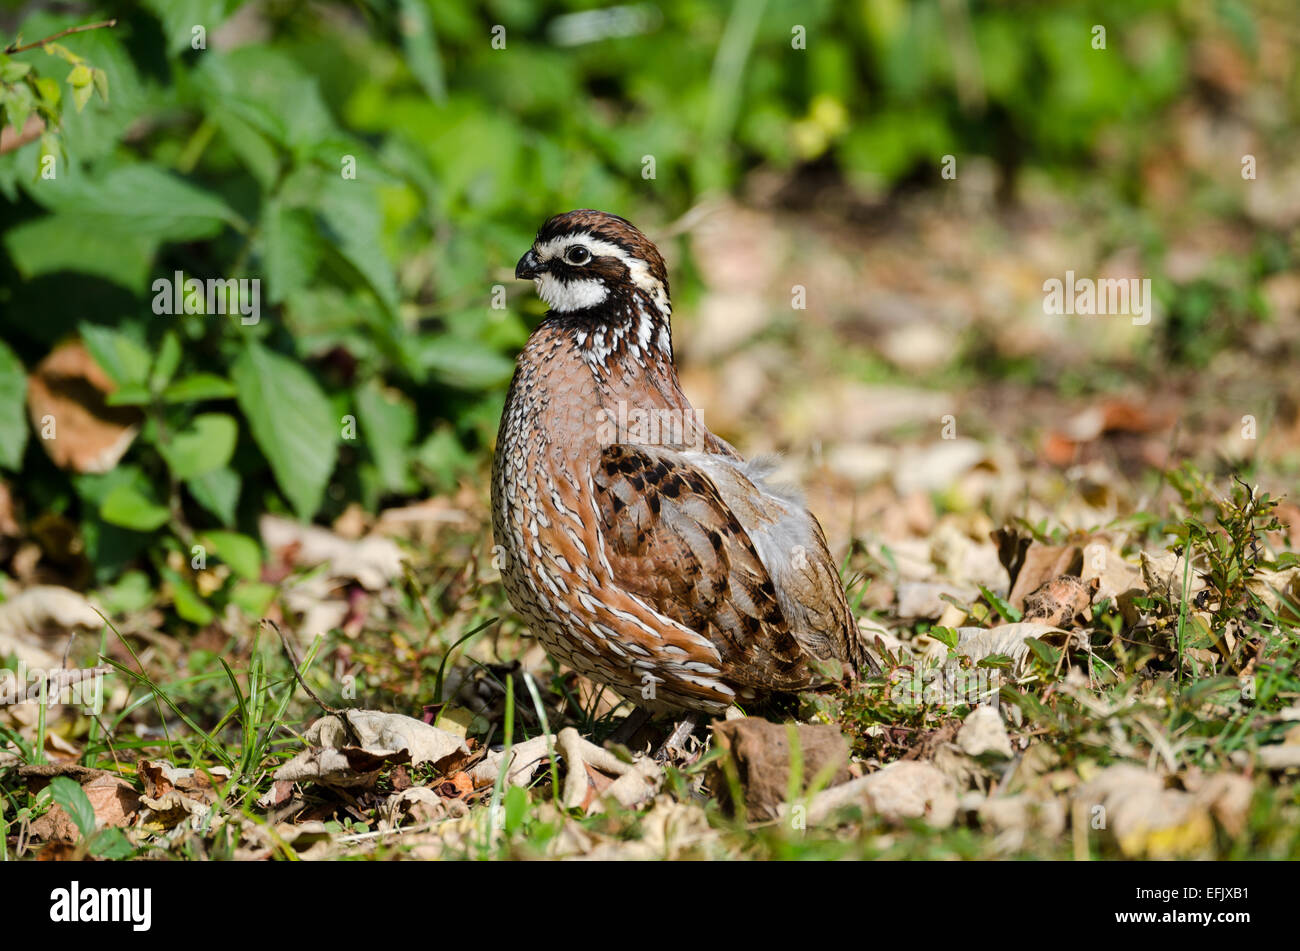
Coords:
pixel 528 266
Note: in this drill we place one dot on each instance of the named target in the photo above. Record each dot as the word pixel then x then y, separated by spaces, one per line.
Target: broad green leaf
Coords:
pixel 127 507
pixel 944 635
pixel 516 803
pixel 12 70
pixel 118 355
pixel 133 394
pixel 69 794
pixel 1002 605
pixel 1044 651
pixel 143 198
pixel 351 210
pixel 186 600
pixel 421 48
pixel 290 249
pixel 257 154
pixel 50 91
pixel 241 553
pixel 111 843
pixel 464 363
pixel 13 400
pixel 69 242
pixel 198 386
pixel 207 443
pixel 179 17
pixel 388 427
pixel 218 492
pixel 168 359
pixel 291 421
pixel 253 597
pixel 19 103
pixel 255 82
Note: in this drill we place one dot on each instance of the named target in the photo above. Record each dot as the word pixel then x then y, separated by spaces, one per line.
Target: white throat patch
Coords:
pixel 562 296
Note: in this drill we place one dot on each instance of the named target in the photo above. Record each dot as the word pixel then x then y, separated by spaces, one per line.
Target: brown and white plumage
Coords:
pixel 667 567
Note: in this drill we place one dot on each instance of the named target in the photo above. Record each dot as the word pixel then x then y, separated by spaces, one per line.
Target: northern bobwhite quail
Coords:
pixel 642 550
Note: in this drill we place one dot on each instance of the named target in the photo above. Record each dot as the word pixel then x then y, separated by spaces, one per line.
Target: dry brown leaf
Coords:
pixel 1063 601
pixel 1146 819
pixel 1041 564
pixel 1009 639
pixel 1164 573
pixel 984 732
pixel 114 800
pixel 385 733
pixel 173 794
pixel 372 561
pixel 762 755
pixel 909 789
pixel 66 402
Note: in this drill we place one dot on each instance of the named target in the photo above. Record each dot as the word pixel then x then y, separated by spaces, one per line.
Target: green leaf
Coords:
pixel 352 211
pixel 101 84
pixel 1044 651
pixel 291 421
pixel 168 359
pixel 69 794
pixel 68 242
pixel 13 400
pixel 62 52
pixel 127 507
pixel 257 154
pixel 124 360
pixel 421 49
pixel 241 553
pixel 253 597
pixel 254 82
pixel 1002 605
pixel 133 394
pixel 290 249
pixel 179 17
pixel 388 427
pixel 218 492
pixel 111 843
pixel 12 70
pixel 463 363
pixel 945 635
pixel 207 443
pixel 186 600
pixel 198 386
pixel 516 803
pixel 140 197
pixel 80 75
pixel 81 95
pixel 19 103
pixel 50 91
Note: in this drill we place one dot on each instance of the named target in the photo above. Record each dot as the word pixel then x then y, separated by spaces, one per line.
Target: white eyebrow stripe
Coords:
pixel 597 246
pixel 638 269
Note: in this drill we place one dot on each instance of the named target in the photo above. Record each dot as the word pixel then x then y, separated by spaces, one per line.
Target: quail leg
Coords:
pixel 675 742
pixel 624 732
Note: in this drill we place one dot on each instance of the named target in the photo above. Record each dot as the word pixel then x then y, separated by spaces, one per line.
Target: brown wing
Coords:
pixel 672 540
pixel 792 546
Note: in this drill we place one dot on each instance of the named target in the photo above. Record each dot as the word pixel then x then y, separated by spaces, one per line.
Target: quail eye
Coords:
pixel 577 255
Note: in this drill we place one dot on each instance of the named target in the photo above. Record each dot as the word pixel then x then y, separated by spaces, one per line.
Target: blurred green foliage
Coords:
pixel 231 161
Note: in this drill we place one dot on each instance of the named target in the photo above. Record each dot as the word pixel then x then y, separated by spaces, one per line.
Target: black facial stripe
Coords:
pixel 601 268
